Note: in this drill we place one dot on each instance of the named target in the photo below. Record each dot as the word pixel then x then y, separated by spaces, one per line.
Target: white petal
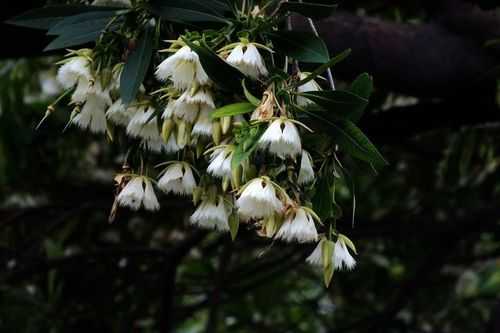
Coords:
pixel 306 173
pixel 132 194
pixel 92 115
pixel 150 201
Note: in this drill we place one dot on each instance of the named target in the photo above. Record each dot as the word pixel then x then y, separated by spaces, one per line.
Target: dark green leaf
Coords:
pixel 321 69
pixel 46 17
pixel 189 11
pixel 323 198
pixel 251 98
pixel 308 9
pixel 246 147
pixel 233 110
pixel 363 87
pixel 82 22
pixel 224 75
pixel 136 67
pixel 338 104
pixel 234 225
pixel 302 46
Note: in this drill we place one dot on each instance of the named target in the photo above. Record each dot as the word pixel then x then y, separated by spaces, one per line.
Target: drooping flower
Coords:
pixel 299 226
pixel 306 87
pixel 220 162
pixel 183 68
pixel 281 138
pixel 211 215
pixel 306 172
pixel 139 192
pixel 187 107
pixel 178 178
pixel 144 124
pixel 246 57
pixel 72 70
pixel 92 116
pixel 203 125
pixel 119 114
pixel 258 199
pixel 340 259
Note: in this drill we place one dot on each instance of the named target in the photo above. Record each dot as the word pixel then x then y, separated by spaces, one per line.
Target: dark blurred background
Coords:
pixel 427 226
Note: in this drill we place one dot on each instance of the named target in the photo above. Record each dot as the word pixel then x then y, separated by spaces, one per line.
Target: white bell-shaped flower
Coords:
pixel 247 59
pixel 341 258
pixel 178 179
pixel 258 200
pixel 211 215
pixel 92 115
pixel 204 124
pixel 119 114
pixel 159 146
pixel 306 172
pixel 299 226
pixel 183 68
pixel 187 107
pixel 139 192
pixel 307 87
pixel 144 124
pixel 72 70
pixel 220 163
pixel 281 138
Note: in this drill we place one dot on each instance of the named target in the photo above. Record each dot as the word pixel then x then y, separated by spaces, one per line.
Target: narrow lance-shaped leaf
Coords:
pixel 302 46
pixel 309 9
pixel 82 22
pixel 136 66
pixel 321 69
pixel 339 104
pixel 233 110
pixel 363 87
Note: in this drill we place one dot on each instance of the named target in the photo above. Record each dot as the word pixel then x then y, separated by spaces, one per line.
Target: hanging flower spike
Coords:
pixel 220 162
pixel 299 226
pixel 188 106
pixel 178 178
pixel 183 68
pixel 144 124
pixel 139 191
pixel 92 115
pixel 210 215
pixel 307 87
pixel 258 199
pixel 281 138
pixel 72 70
pixel 306 173
pixel 246 57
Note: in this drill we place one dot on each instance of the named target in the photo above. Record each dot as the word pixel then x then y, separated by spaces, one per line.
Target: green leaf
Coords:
pixel 251 98
pixel 327 249
pixel 246 147
pixel 189 11
pixel 233 110
pixel 215 7
pixel 308 9
pixel 46 17
pixel 68 40
pixel 323 198
pixel 339 104
pixel 224 75
pixel 82 22
pixel 321 69
pixel 352 140
pixel 302 46
pixel 363 87
pixel 136 67
pixel 234 225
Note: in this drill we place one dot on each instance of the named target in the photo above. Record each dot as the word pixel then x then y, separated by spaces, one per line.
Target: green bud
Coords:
pixel 216 132
pixel 167 128
pixel 236 177
pixel 226 124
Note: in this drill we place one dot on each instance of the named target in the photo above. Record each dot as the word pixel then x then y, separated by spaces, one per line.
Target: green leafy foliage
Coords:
pixel 321 69
pixel 338 104
pixel 190 11
pixel 309 9
pixel 233 110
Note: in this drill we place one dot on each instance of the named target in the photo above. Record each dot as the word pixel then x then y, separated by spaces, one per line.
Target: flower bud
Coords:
pixel 216 133
pixel 166 131
pixel 225 124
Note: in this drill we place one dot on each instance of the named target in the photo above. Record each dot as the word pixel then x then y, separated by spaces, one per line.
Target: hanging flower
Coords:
pixel 298 226
pixel 183 68
pixel 72 70
pixel 119 114
pixel 340 259
pixel 281 138
pixel 204 125
pixel 188 106
pixel 211 215
pixel 246 57
pixel 144 124
pixel 139 191
pixel 306 87
pixel 220 162
pixel 258 199
pixel 306 173
pixel 178 178
pixel 92 116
